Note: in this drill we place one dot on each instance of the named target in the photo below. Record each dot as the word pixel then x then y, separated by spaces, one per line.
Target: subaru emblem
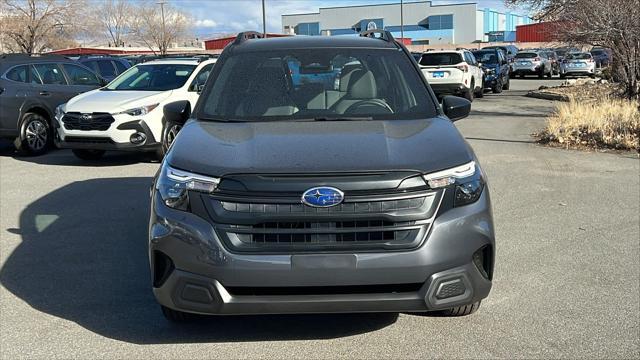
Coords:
pixel 322 196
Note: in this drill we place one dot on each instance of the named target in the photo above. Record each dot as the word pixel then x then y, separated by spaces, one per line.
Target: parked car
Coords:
pixel 510 50
pixel 453 72
pixel 555 62
pixel 532 63
pixel 601 56
pixel 578 64
pixel 127 113
pixel 496 69
pixel 365 200
pixel 107 67
pixel 31 87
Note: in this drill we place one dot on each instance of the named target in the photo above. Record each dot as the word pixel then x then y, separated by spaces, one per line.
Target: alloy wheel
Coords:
pixel 36 135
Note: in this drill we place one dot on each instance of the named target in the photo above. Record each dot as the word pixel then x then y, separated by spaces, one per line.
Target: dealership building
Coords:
pixel 423 22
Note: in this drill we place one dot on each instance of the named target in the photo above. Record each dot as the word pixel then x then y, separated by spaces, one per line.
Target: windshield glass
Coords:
pixel 526 55
pixel 440 59
pixel 486 57
pixel 597 52
pixel 581 56
pixel 317 84
pixel 155 77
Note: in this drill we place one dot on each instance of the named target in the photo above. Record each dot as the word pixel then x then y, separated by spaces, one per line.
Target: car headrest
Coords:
pixel 345 75
pixel 362 85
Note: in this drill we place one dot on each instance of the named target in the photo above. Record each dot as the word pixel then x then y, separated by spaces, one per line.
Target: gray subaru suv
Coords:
pixel 31 87
pixel 319 174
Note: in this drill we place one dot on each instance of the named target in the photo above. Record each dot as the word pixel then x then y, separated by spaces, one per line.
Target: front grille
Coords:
pixel 88 140
pixel 303 232
pixel 261 214
pixel 88 121
pixel 344 208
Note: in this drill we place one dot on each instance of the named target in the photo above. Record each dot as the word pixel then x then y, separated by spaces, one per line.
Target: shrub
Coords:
pixel 605 123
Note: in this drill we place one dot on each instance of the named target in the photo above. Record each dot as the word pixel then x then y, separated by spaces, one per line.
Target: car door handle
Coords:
pixel 45 93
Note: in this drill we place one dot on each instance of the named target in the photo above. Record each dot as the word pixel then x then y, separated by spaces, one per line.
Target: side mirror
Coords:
pixel 103 82
pixel 199 88
pixel 177 112
pixel 455 107
pixel 479 64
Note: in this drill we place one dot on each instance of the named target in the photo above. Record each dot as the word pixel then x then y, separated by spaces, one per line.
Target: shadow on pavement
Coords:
pixel 83 257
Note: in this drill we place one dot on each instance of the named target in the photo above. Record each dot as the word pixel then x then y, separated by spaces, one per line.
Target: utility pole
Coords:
pixel 402 21
pixel 163 25
pixel 264 21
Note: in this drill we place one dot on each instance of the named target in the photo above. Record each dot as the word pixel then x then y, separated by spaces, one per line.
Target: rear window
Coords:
pixel 18 73
pixel 581 56
pixel 440 59
pixel 106 68
pixel 526 55
pixel 307 84
pixel 597 52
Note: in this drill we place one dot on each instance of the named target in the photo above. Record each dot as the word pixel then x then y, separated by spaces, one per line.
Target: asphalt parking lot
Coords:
pixel 75 281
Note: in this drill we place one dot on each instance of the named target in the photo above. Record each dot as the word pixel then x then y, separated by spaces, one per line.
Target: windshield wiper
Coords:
pixel 342 118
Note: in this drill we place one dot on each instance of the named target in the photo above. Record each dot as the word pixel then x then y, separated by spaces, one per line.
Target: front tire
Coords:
pixel 88 154
pixel 462 310
pixel 480 92
pixel 468 94
pixel 507 85
pixel 169 133
pixel 35 134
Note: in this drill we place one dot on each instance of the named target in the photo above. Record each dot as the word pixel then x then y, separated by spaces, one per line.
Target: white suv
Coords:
pixel 127 114
pixel 453 72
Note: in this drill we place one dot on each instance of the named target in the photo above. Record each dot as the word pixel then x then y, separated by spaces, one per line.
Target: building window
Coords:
pixel 440 22
pixel 308 29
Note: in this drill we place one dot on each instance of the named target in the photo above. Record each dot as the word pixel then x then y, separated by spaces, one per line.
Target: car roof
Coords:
pixel 305 42
pixel 184 61
pixel 10 60
pixel 445 51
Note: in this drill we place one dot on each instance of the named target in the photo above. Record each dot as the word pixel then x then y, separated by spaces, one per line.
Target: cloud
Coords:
pixel 208 23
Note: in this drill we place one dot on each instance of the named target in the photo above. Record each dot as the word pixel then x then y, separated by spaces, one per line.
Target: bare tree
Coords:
pixel 158 25
pixel 613 24
pixel 113 19
pixel 31 26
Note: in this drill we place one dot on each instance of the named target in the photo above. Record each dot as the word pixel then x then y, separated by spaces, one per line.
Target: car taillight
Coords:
pixel 589 60
pixel 464 68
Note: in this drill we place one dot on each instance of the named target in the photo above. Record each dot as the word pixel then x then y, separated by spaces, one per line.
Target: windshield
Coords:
pixel 526 55
pixel 581 56
pixel 597 52
pixel 317 84
pixel 486 57
pixel 440 59
pixel 156 77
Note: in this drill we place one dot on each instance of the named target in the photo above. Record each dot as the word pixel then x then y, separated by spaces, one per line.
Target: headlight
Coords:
pixel 139 111
pixel 489 71
pixel 174 185
pixel 60 111
pixel 467 179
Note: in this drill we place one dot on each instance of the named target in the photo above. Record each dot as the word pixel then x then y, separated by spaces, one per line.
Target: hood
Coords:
pixel 217 149
pixel 114 100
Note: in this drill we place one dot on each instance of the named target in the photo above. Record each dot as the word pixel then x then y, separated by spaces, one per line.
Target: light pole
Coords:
pixel 161 3
pixel 401 21
pixel 264 21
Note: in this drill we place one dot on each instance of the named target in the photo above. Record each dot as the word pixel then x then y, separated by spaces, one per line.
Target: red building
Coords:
pixel 220 43
pixel 538 32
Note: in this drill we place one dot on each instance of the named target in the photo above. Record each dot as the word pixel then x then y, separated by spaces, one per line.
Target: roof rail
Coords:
pixel 247 35
pixel 384 34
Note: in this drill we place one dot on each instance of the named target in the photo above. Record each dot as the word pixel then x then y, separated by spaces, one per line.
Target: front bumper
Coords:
pixel 118 139
pixel 205 277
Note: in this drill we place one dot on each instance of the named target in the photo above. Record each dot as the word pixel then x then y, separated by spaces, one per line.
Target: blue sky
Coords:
pixel 215 17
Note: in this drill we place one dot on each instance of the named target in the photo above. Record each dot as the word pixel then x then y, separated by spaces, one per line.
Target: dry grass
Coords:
pixel 604 123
